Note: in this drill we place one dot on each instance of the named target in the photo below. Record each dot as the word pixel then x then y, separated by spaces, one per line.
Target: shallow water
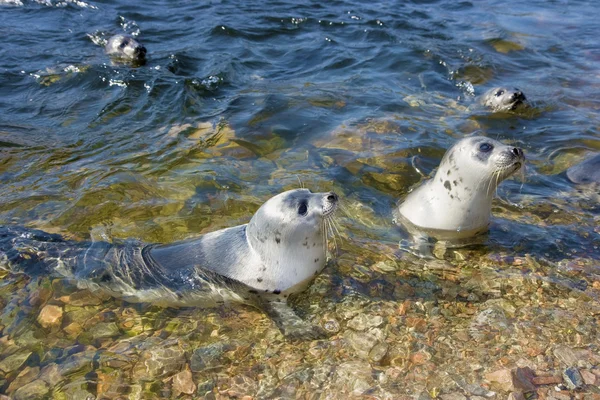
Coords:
pixel 241 100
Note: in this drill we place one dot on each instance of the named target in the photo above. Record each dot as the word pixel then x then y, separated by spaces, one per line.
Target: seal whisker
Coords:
pixel 330 228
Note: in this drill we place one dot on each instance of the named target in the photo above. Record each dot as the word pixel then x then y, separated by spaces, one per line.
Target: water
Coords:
pixel 239 101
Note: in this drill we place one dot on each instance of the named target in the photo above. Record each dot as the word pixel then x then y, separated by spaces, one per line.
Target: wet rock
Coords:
pixel 501 379
pixel 183 383
pixel 209 356
pixel 364 321
pixel 85 298
pixel 51 374
pixel 522 378
pixel 470 388
pixel 354 376
pixel 378 352
pixel 108 383
pixel 546 380
pixel 453 396
pixel 241 385
pixel 34 390
pixel 573 378
pixel 516 396
pixel 320 375
pixel 73 329
pixel 159 362
pixel 26 376
pixel 488 323
pixel 50 316
pixel 589 377
pixel 565 355
pixel 105 330
pixel 363 342
pixel 76 362
pixel 14 361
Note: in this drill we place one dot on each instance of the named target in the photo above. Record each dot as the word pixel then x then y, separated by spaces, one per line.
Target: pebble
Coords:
pixel 378 352
pixel 522 379
pixel 356 376
pixel 573 378
pixel 363 342
pixel 589 377
pixel 453 396
pixel 209 356
pixel 546 380
pixel 516 396
pixel 501 378
pixel 26 376
pixel 565 355
pixel 14 361
pixel 158 362
pixel 50 316
pixel 183 383
pixel 34 390
pixel 363 321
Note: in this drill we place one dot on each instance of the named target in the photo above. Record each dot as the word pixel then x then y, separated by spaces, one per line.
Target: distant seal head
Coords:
pixel 586 172
pixel 125 47
pixel 261 263
pixel 503 99
pixel 457 202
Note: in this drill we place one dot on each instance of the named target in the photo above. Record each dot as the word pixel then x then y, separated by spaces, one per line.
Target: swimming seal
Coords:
pixel 125 47
pixel 457 202
pixel 261 263
pixel 587 171
pixel 503 99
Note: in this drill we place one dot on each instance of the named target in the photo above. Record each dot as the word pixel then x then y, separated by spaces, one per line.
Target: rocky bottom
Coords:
pixel 465 326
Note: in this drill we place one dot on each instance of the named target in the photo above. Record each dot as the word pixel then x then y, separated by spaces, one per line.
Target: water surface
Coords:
pixel 241 100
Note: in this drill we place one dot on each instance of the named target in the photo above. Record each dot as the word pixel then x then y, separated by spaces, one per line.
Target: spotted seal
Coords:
pixel 457 202
pixel 503 99
pixel 261 263
pixel 125 47
pixel 587 171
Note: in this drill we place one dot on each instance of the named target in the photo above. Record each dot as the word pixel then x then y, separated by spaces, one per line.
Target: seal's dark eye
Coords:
pixel 302 209
pixel 499 92
pixel 485 147
pixel 123 44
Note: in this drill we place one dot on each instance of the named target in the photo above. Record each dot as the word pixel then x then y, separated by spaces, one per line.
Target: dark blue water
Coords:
pixel 339 95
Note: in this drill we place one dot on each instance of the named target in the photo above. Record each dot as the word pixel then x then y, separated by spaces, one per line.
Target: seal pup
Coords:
pixel 125 47
pixel 587 171
pixel 457 202
pixel 261 263
pixel 503 99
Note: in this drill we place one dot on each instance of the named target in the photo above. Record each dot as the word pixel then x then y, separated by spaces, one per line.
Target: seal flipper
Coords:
pixel 291 325
pixel 36 252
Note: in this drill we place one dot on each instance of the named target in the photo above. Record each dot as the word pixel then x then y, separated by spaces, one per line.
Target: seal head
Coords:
pixel 125 47
pixel 586 172
pixel 503 99
pixel 457 201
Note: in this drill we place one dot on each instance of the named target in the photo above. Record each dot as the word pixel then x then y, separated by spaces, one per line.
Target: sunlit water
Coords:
pixel 241 100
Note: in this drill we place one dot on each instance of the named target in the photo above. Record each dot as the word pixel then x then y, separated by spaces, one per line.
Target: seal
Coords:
pixel 457 202
pixel 586 172
pixel 261 263
pixel 125 47
pixel 503 99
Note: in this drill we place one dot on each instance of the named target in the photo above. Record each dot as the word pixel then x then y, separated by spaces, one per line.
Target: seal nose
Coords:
pixel 332 197
pixel 140 51
pixel 518 95
pixel 518 152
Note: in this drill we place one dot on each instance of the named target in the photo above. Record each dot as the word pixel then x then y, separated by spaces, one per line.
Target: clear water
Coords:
pixel 241 100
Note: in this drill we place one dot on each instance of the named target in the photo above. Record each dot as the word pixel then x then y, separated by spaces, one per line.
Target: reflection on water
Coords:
pixel 238 102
